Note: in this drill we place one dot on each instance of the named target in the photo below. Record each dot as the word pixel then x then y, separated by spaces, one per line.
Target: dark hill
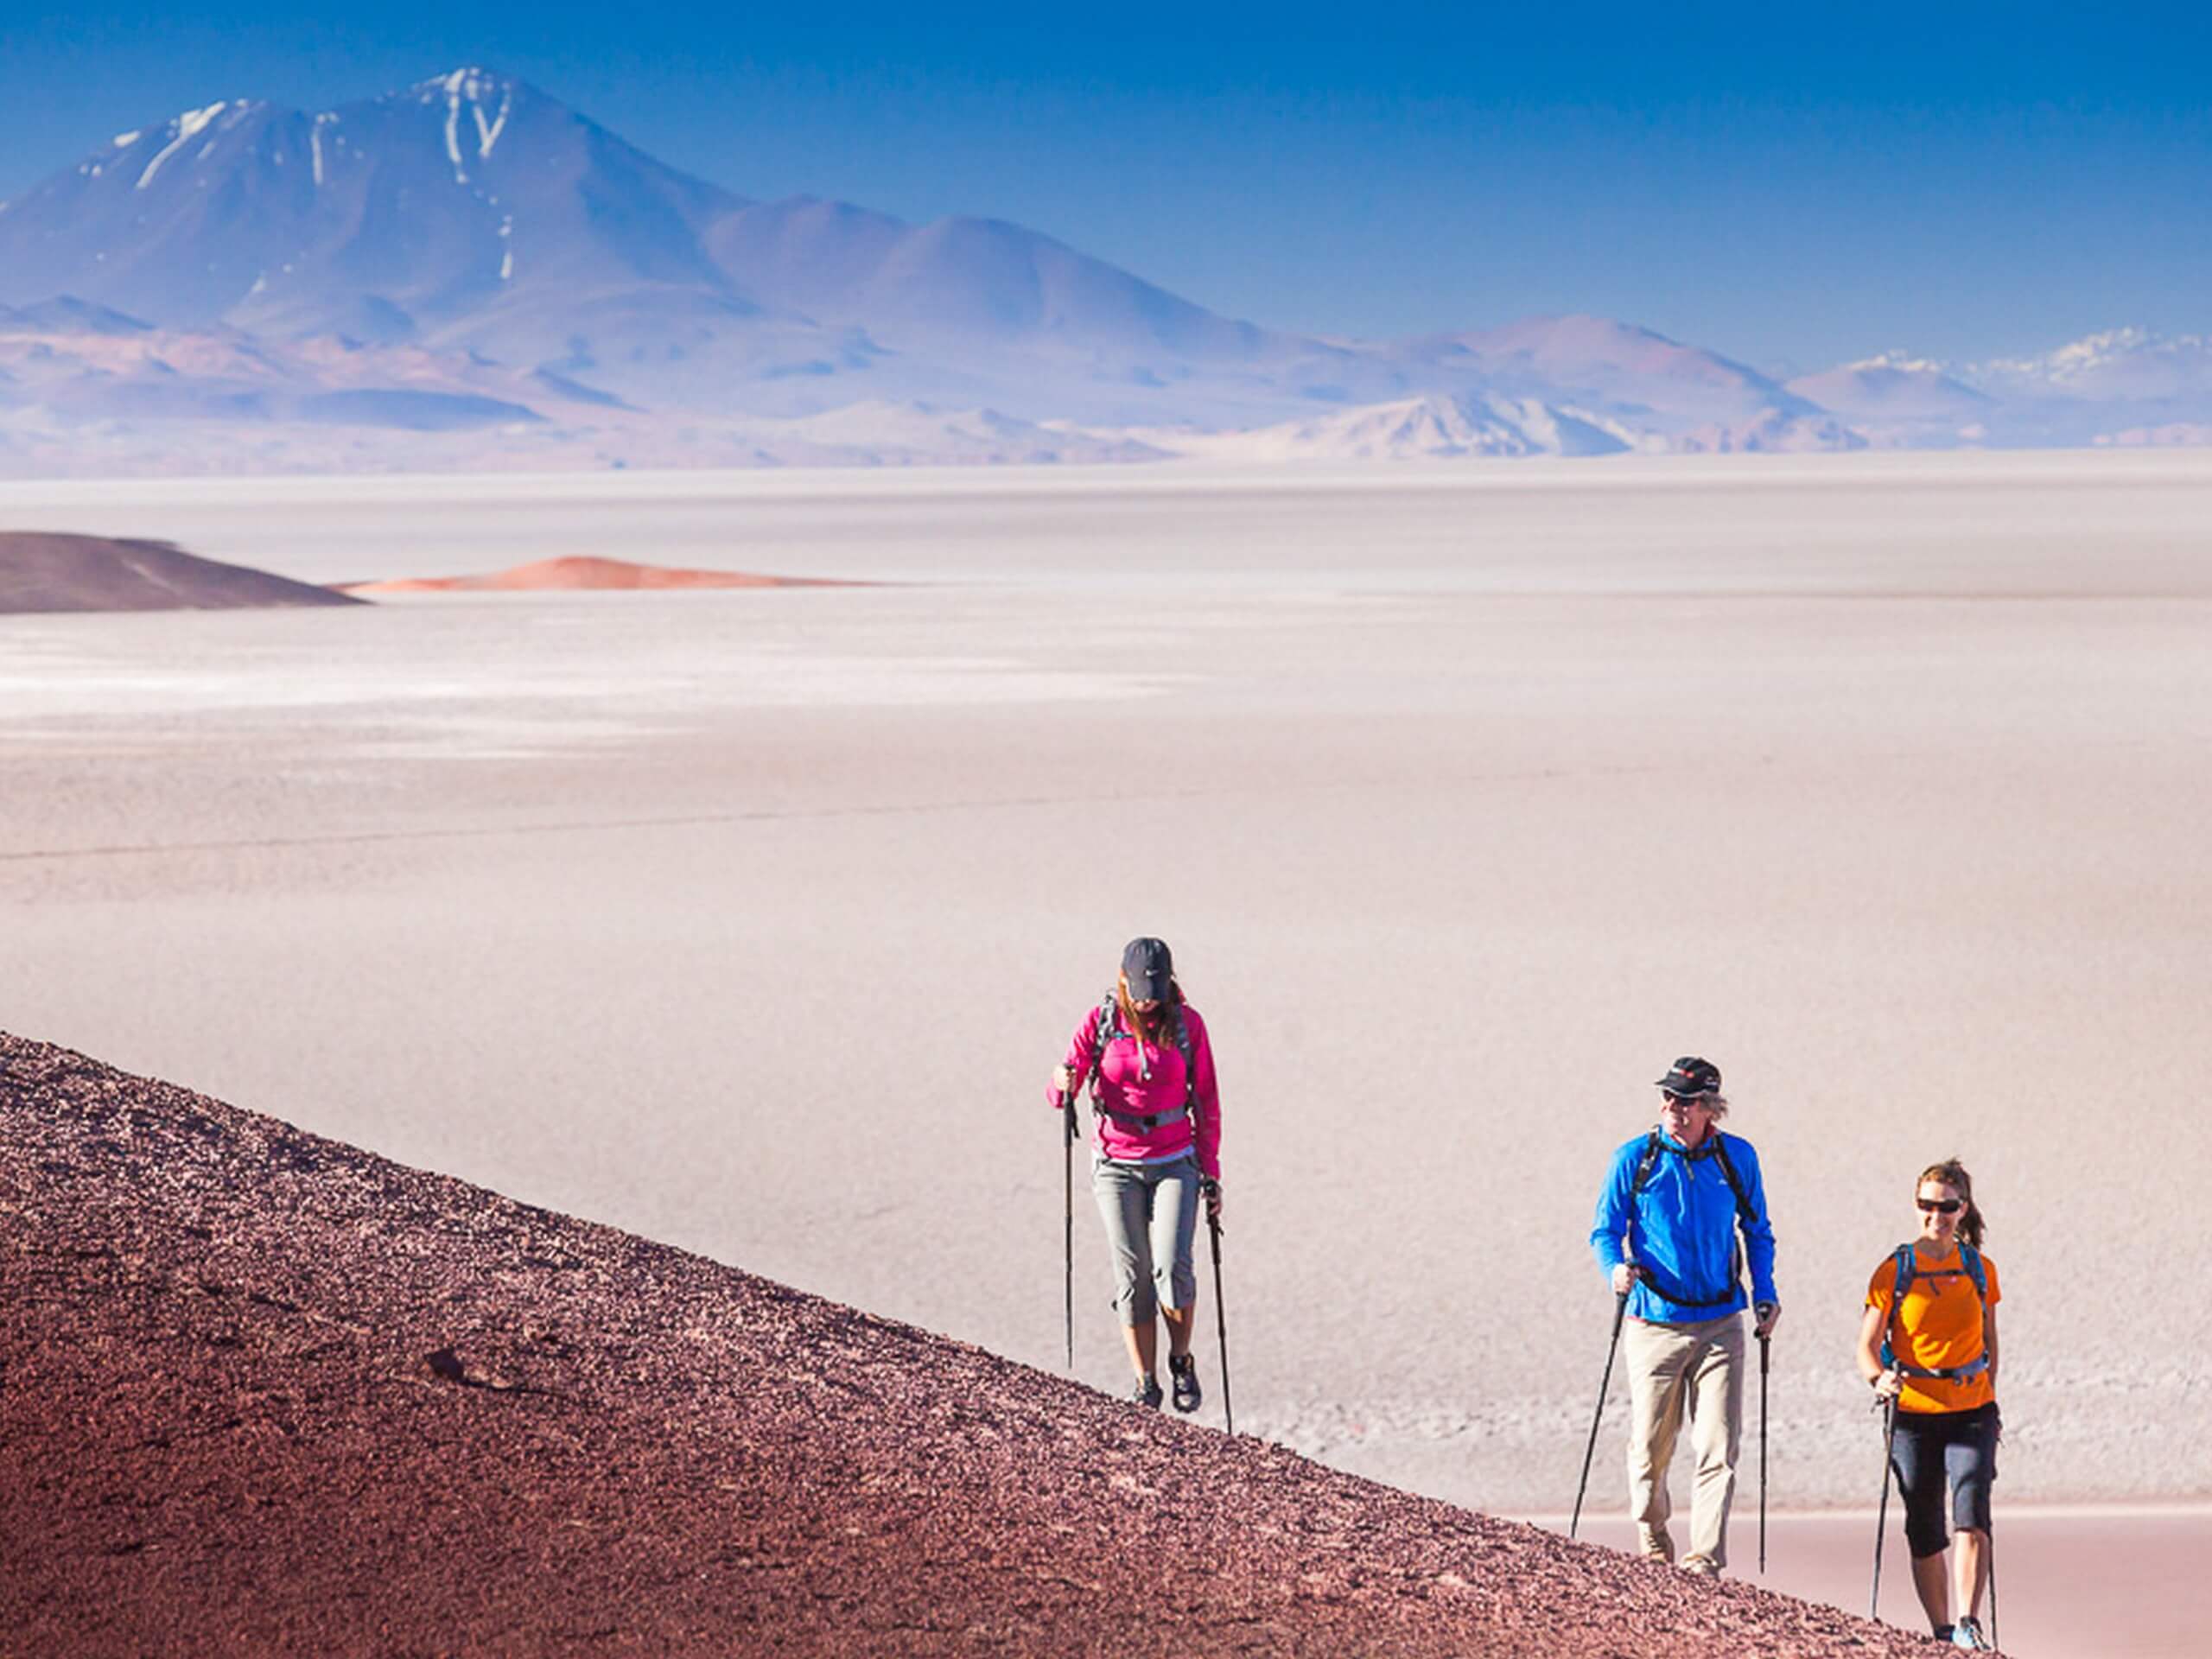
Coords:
pixel 268 1393
pixel 46 572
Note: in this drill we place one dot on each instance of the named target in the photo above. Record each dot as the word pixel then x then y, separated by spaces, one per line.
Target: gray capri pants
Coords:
pixel 1151 1212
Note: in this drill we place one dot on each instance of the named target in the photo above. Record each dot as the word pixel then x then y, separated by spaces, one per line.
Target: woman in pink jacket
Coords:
pixel 1156 1120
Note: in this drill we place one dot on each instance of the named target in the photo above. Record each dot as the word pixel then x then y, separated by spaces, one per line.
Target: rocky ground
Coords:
pixel 265 1393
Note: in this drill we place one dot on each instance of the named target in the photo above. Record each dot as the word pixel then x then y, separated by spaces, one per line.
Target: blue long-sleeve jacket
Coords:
pixel 1682 1229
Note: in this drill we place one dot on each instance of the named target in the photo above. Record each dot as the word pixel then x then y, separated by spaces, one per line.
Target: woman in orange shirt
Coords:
pixel 1933 1350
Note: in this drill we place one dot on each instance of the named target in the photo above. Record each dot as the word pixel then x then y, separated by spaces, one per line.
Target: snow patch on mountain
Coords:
pixel 2084 356
pixel 187 126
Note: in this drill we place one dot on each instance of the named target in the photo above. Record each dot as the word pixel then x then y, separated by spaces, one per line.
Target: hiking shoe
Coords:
pixel 1654 1545
pixel 1183 1373
pixel 1145 1391
pixel 1702 1566
pixel 1967 1633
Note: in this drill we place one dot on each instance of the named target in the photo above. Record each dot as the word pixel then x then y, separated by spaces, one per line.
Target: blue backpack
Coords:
pixel 1907 1269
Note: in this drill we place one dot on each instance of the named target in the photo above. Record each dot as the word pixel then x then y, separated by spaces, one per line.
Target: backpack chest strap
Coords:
pixel 1146 1122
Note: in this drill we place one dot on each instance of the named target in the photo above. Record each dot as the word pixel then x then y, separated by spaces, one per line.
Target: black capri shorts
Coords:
pixel 1936 1448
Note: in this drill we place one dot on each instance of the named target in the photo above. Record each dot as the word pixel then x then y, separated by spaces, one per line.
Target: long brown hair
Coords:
pixel 1952 1173
pixel 1152 1028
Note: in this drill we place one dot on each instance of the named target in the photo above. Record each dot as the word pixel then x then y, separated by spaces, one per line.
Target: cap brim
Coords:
pixel 1144 989
pixel 1674 1088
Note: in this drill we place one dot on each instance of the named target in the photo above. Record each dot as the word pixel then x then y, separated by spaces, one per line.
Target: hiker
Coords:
pixel 1933 1350
pixel 1669 1218
pixel 1156 1140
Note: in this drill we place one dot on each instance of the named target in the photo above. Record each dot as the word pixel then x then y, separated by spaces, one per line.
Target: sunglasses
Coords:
pixel 1941 1206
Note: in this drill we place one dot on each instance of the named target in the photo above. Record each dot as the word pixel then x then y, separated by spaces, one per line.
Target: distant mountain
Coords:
pixel 1618 370
pixel 1893 388
pixel 473 213
pixel 468 272
pixel 101 368
pixel 1433 427
pixel 384 219
pixel 2122 365
pixel 1896 401
pixel 971 280
pixel 576 574
pixel 2125 386
pixel 46 573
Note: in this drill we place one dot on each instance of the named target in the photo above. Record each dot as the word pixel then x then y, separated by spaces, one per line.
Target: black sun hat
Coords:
pixel 1149 970
pixel 1692 1078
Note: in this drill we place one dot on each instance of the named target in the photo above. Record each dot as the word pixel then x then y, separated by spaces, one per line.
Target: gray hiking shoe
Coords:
pixel 1967 1633
pixel 1183 1373
pixel 1145 1391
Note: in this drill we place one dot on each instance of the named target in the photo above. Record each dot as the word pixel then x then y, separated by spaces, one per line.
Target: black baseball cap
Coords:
pixel 1149 970
pixel 1692 1078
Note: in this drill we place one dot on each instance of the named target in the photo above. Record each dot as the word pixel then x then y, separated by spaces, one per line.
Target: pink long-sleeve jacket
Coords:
pixel 1147 1079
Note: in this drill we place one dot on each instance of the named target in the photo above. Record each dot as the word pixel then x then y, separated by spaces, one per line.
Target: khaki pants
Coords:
pixel 1673 1371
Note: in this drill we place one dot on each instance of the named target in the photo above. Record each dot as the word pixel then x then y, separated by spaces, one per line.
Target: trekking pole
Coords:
pixel 1989 1543
pixel 1882 1514
pixel 1620 1313
pixel 1067 1214
pixel 1765 1353
pixel 1220 1314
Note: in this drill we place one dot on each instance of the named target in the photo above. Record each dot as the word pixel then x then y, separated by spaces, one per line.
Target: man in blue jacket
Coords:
pixel 1683 1210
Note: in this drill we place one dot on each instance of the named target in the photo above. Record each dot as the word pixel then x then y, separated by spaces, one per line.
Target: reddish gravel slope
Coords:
pixel 268 1393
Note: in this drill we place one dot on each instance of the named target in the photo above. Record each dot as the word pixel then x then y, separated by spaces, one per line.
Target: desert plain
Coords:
pixel 1469 797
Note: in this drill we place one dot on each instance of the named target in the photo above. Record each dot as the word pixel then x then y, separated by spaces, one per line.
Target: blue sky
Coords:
pixel 1794 185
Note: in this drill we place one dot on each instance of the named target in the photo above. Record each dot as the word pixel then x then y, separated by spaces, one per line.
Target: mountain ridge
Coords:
pixel 472 240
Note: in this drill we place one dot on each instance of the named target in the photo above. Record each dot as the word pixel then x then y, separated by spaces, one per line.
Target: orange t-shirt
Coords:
pixel 1940 1329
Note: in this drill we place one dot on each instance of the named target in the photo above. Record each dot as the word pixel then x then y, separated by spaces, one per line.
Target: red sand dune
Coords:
pixel 268 1393
pixel 577 573
pixel 44 572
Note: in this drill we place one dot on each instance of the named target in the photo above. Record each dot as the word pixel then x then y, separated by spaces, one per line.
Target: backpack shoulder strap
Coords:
pixel 1902 1265
pixel 1735 1182
pixel 1901 1272
pixel 1190 1059
pixel 1972 1258
pixel 1109 1027
pixel 1646 1162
